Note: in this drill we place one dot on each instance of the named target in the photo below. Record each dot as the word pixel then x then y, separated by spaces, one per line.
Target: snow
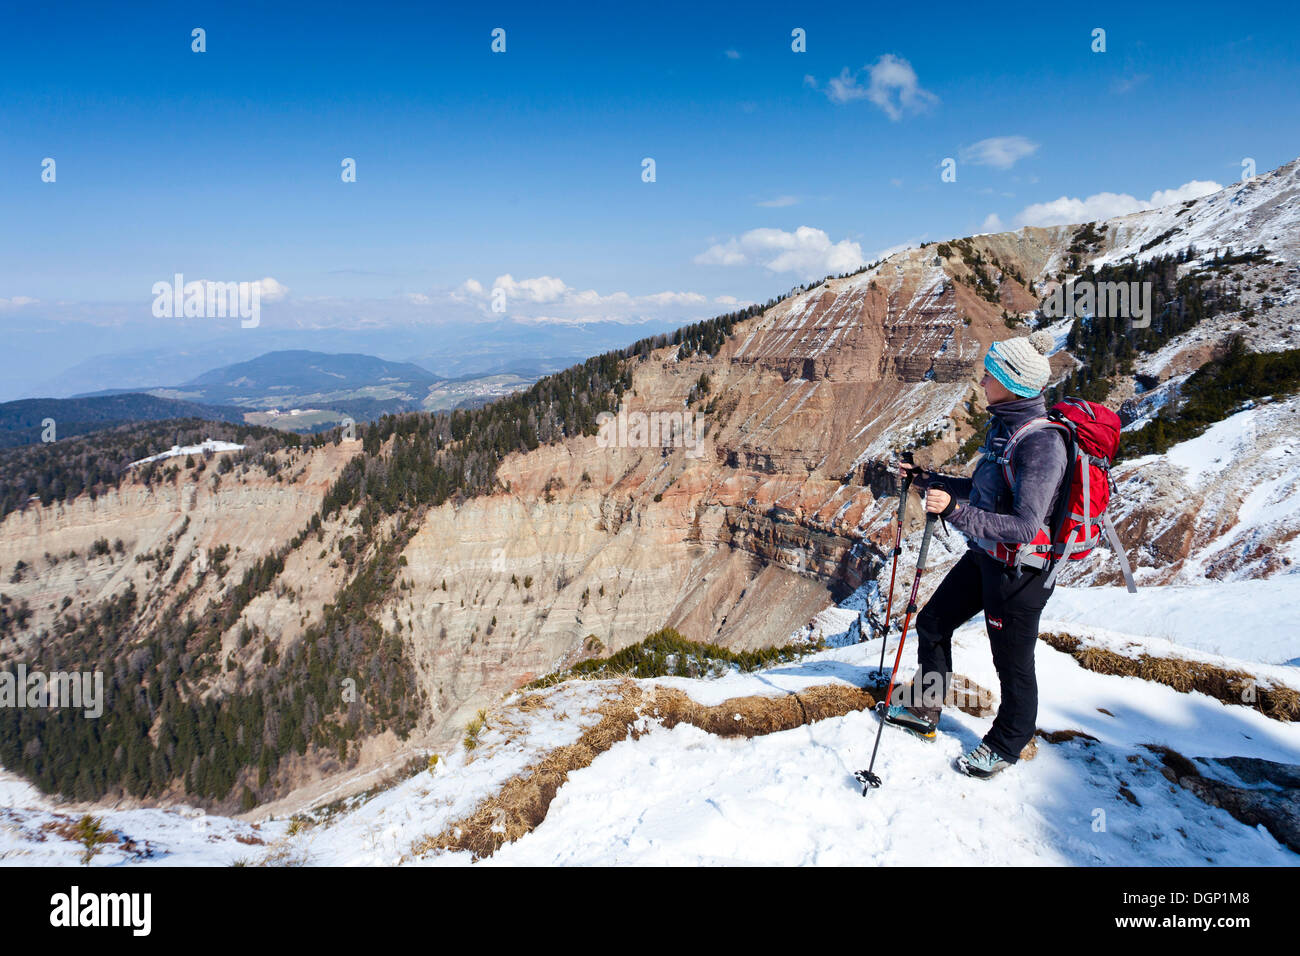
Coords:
pixel 209 445
pixel 685 797
pixel 1255 620
pixel 15 791
pixel 378 833
pixel 1147 405
pixel 180 836
pixel 1238 215
pixel 924 405
pixel 1239 484
pixel 1204 456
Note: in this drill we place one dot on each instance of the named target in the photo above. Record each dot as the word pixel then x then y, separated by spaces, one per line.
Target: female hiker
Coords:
pixel 1012 596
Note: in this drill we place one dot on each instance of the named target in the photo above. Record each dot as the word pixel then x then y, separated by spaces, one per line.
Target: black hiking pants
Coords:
pixel 1012 605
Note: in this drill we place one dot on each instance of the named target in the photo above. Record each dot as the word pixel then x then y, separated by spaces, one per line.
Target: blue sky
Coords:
pixel 474 165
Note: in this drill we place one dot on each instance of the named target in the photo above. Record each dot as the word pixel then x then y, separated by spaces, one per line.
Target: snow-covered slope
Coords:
pixel 1265 208
pixel 1249 620
pixel 1224 506
pixel 1261 212
pixel 684 796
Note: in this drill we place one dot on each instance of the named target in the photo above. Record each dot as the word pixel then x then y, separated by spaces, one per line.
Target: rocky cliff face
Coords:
pixel 160 538
pixel 739 541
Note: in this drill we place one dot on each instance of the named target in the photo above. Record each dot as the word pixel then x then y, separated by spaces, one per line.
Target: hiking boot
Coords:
pixel 918 725
pixel 982 762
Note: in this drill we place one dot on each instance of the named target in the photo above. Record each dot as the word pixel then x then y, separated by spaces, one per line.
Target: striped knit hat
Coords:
pixel 1021 364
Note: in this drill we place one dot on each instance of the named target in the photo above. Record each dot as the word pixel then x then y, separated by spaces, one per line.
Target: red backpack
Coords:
pixel 1091 433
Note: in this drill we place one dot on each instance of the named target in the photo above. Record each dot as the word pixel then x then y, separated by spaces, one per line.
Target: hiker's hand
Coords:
pixel 913 473
pixel 936 501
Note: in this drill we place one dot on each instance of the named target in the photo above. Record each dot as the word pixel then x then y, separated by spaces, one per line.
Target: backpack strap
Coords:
pixel 1113 536
pixel 1082 404
pixel 1071 453
pixel 1055 558
pixel 1006 459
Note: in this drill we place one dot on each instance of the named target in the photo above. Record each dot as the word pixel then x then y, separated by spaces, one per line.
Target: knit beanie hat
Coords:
pixel 1021 364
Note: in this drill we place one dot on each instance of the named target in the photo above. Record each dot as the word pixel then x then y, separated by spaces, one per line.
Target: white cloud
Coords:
pixel 992 223
pixel 270 290
pixel 1193 190
pixel 733 54
pixel 892 74
pixel 807 252
pixel 726 253
pixel 592 297
pixel 1000 152
pixel 1067 210
pixel 844 88
pixel 17 302
pixel 676 298
pixel 778 202
pixel 892 85
pixel 540 289
pixel 566 305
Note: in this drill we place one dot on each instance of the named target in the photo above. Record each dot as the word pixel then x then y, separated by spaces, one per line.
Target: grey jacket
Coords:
pixel 987 508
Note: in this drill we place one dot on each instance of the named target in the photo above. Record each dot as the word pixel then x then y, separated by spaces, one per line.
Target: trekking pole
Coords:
pixel 904 481
pixel 869 780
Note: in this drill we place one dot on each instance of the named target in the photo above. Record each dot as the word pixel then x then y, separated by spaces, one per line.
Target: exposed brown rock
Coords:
pixel 1268 795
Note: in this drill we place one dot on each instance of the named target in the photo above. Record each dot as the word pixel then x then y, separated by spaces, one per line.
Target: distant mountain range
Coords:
pixel 300 371
pixel 133 357
pixel 303 378
pixel 31 420
pixel 294 389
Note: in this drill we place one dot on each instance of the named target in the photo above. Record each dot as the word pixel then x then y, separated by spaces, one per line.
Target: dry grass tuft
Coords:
pixel 1185 676
pixel 1062 736
pixel 523 801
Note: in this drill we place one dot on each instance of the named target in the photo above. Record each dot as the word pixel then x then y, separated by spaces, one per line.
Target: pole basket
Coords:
pixel 868 780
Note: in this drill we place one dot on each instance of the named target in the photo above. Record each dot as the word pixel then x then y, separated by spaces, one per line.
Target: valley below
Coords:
pixel 384 610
